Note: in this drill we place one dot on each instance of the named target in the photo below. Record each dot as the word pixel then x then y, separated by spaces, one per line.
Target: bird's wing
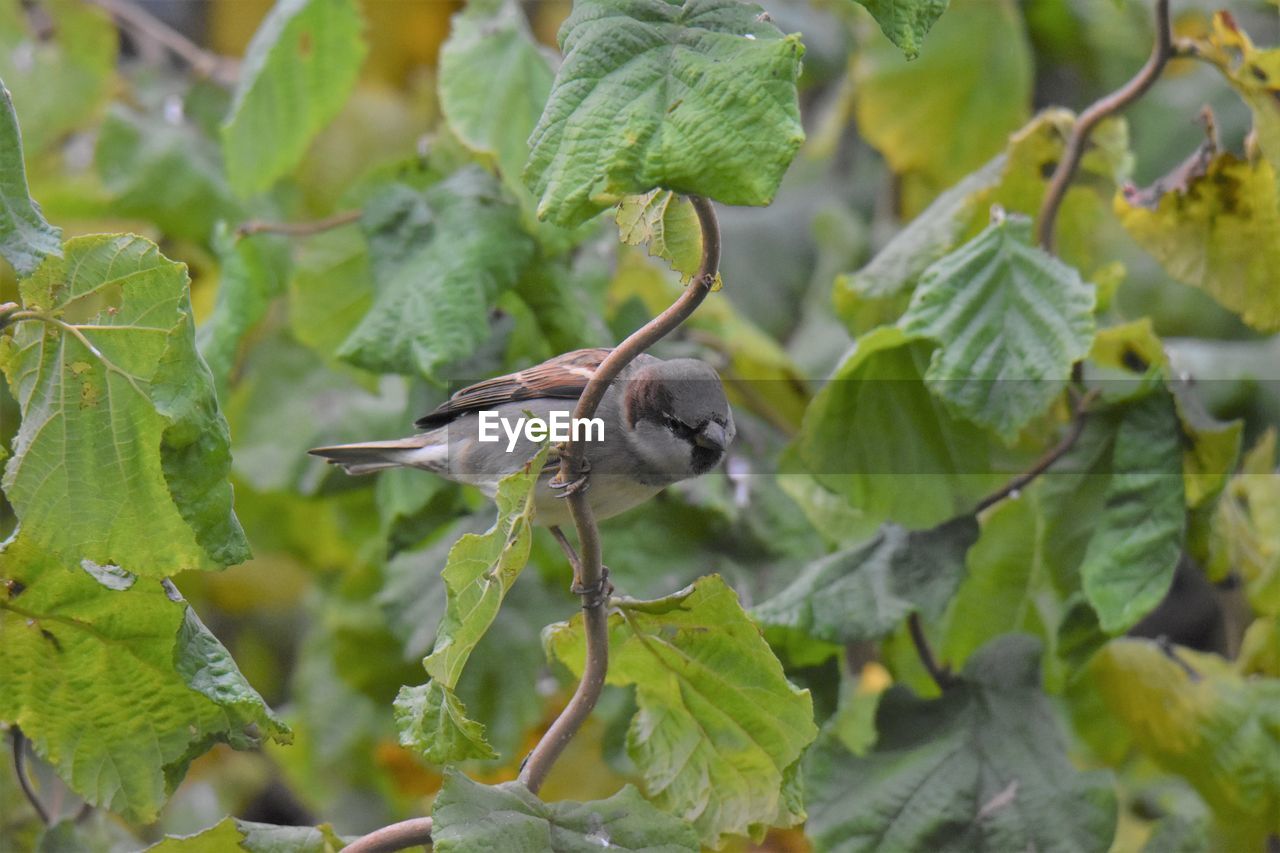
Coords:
pixel 564 377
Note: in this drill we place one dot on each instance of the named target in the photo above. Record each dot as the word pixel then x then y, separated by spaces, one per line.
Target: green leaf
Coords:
pixel 99 831
pixel 1010 320
pixel 1260 648
pixel 133 666
pixel 330 290
pixel 696 97
pixel 779 385
pixel 25 237
pixel 926 238
pixel 1177 834
pixel 432 721
pixel 1245 538
pixel 948 112
pixel 1134 550
pixel 473 818
pixel 235 834
pixel 983 767
pixel 494 83
pixel 564 303
pixel 1071 499
pixel 1218 230
pixel 1200 720
pixel 60 78
pixel 412 598
pixel 1016 181
pixel 1211 447
pixel 434 298
pixel 405 499
pixel 875 435
pixel 297 72
pixel 667 226
pixel 1130 357
pixel 503 685
pixel 284 383
pixel 1005 584
pixel 253 272
pixel 122 456
pixel 504 673
pixel 224 835
pixel 864 592
pixel 906 22
pixel 480 570
pixel 1085 221
pixel 166 173
pixel 719 726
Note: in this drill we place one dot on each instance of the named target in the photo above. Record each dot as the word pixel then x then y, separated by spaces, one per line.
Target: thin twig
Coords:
pixel 1095 113
pixel 941 675
pixel 595 605
pixel 298 229
pixel 1171 652
pixel 398 836
pixel 1045 462
pixel 20 770
pixel 567 547
pixel 145 26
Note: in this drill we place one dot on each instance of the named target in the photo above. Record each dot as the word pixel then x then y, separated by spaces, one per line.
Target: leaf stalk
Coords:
pixel 20 770
pixel 298 229
pixel 414 832
pixel 145 27
pixel 1093 115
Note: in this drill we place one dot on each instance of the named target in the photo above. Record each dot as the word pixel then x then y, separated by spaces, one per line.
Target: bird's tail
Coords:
pixel 417 451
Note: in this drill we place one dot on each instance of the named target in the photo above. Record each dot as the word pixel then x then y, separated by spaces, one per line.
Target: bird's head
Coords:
pixel 679 420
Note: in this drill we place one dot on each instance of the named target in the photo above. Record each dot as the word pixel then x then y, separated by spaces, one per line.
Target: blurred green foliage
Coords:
pixel 869 316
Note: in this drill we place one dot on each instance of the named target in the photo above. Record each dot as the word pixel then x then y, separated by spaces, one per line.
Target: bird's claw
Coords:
pixel 575 486
pixel 596 594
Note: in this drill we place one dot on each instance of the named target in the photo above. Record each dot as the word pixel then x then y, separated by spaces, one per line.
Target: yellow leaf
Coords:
pixel 941 116
pixel 1254 73
pixel 1196 717
pixel 1217 229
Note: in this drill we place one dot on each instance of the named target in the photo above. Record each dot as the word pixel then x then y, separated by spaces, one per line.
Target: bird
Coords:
pixel 660 421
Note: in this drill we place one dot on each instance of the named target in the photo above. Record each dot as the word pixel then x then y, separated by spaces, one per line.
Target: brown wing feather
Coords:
pixel 561 377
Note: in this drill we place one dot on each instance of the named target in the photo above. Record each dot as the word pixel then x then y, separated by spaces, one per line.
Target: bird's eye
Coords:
pixel 679 427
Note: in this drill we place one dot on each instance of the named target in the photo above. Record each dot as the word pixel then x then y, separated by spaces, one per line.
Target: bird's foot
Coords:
pixel 575 486
pixel 596 594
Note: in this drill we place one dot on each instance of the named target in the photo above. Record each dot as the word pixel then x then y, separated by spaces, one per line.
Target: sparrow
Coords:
pixel 660 421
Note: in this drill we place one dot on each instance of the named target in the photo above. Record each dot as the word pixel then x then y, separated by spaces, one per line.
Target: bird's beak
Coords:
pixel 712 436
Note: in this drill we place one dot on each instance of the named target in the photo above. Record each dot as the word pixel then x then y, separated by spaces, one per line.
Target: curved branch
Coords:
pixel 20 770
pixel 398 836
pixel 940 674
pixel 143 25
pixel 1045 462
pixel 298 229
pixel 7 310
pixel 594 602
pixel 1093 115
